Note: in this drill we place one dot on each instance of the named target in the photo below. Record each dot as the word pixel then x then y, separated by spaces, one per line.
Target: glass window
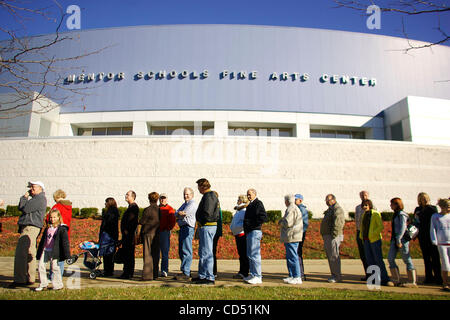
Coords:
pixel 261 132
pixel 110 131
pixel 99 131
pixel 343 134
pixel 85 131
pixel 340 134
pixel 358 135
pixel 180 131
pixel 328 133
pixel 208 131
pixel 315 133
pixel 157 131
pixel 114 131
pixel 127 131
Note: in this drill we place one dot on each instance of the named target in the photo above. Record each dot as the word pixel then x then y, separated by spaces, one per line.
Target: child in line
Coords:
pixel 53 247
pixel 440 237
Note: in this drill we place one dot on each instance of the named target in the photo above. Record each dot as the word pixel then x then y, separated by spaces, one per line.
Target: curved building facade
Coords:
pixel 278 109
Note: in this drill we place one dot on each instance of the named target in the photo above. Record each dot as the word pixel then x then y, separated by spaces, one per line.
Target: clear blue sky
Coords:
pixel 296 13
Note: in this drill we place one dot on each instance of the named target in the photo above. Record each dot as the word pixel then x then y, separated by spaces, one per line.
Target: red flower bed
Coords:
pixel 271 247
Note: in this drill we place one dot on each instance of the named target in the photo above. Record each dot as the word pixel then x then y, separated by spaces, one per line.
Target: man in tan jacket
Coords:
pixel 331 229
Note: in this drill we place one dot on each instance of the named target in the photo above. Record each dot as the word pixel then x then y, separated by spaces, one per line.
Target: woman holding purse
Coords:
pixel 109 232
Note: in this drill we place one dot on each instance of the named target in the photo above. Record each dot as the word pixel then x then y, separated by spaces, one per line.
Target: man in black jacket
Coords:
pixel 255 216
pixel 207 216
pixel 128 226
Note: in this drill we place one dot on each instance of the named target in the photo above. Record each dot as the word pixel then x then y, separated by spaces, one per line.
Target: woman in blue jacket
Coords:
pixel 398 243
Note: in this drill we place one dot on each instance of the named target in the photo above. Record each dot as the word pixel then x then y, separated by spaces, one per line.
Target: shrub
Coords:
pixel 13 211
pixel 273 215
pixel 75 212
pixel 227 216
pixel 387 215
pixel 2 212
pixel 88 213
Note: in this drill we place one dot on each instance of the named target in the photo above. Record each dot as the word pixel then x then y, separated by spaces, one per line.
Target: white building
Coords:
pixel 281 110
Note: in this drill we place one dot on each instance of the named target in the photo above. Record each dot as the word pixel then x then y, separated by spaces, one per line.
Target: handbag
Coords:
pixel 411 232
pixel 119 256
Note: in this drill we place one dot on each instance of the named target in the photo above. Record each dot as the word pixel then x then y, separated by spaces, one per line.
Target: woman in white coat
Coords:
pixel 291 235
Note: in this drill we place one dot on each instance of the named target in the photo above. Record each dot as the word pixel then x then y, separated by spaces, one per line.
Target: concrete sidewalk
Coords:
pixel 317 273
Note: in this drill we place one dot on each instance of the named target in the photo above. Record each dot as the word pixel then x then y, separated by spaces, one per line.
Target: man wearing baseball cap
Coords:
pixel 30 223
pixel 302 207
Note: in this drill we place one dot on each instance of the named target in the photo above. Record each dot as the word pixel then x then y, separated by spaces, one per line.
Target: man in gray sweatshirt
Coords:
pixel 30 223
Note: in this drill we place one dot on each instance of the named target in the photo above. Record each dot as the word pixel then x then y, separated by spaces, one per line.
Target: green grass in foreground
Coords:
pixel 212 293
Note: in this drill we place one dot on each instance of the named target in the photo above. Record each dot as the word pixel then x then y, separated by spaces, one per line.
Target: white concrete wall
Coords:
pixel 429 120
pixel 91 169
pixel 39 117
pixel 424 120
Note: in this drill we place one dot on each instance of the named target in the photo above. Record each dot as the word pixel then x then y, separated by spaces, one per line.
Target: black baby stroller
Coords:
pixel 92 254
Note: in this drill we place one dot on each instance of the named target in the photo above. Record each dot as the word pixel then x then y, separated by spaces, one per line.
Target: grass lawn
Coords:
pixel 212 293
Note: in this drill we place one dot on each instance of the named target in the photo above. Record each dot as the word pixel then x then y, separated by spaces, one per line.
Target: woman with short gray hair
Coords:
pixel 291 235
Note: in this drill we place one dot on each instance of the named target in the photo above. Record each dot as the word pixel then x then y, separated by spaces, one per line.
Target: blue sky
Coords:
pixel 295 13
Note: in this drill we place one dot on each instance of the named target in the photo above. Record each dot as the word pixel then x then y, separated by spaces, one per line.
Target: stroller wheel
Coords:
pixel 93 275
pixel 72 259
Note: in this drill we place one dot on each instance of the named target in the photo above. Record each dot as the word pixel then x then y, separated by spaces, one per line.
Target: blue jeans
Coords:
pixel 185 237
pixel 164 243
pixel 61 267
pixel 293 264
pixel 254 252
pixel 393 250
pixel 205 252
pixel 374 256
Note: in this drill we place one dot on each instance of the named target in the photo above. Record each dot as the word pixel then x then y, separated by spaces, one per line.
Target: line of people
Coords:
pixel 433 235
pixel 153 231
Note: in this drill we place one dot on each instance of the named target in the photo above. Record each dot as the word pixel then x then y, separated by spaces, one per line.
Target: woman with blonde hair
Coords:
pixel 237 228
pixel 430 252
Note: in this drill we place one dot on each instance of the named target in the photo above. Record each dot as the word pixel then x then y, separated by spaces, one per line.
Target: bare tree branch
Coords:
pixel 405 8
pixel 28 73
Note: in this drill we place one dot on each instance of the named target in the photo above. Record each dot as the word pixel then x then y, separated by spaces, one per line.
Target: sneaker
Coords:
pixel 332 280
pixel 163 274
pixel 181 276
pixel 40 288
pixel 286 280
pixel 248 278
pixel 58 288
pixel 388 283
pixel 205 281
pixel 255 280
pixel 297 280
pixel 238 276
